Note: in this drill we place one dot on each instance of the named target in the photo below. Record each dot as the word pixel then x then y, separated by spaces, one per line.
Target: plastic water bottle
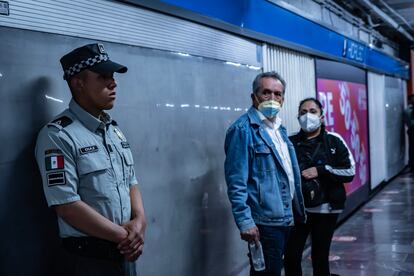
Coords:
pixel 256 253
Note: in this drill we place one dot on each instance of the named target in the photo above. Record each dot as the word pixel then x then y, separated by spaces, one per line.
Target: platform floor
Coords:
pixel 378 239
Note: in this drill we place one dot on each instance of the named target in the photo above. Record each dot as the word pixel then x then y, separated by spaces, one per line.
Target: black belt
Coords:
pixel 92 247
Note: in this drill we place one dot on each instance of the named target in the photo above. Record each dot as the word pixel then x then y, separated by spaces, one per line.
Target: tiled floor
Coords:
pixel 378 240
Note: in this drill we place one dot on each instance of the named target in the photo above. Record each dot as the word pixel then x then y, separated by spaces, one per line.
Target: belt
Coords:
pixel 93 248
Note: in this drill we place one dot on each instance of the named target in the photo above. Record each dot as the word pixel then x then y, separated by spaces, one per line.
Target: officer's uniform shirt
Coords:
pixel 83 158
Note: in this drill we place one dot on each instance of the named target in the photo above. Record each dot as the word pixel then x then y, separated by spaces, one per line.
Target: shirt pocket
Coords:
pixel 264 159
pixel 95 176
pixel 128 165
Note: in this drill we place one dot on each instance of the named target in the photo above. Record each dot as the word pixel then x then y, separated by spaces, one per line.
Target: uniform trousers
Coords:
pixel 321 227
pixel 70 264
pixel 95 258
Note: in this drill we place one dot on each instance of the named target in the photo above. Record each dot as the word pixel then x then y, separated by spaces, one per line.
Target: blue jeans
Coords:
pixel 273 239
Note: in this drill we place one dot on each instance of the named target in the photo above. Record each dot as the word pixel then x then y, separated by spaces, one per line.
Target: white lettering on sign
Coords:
pixel 353 50
pixel 351 122
pixel 355 143
pixel 326 101
pixel 363 165
pixel 344 104
pixel 362 99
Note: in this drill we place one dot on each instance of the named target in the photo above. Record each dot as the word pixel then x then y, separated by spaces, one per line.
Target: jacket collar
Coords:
pixel 302 134
pixel 254 116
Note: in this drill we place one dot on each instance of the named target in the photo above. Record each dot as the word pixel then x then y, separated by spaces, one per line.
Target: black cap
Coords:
pixel 92 57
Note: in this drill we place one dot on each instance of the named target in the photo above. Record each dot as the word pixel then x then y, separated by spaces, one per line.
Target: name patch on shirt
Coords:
pixel 125 145
pixel 88 149
pixel 56 178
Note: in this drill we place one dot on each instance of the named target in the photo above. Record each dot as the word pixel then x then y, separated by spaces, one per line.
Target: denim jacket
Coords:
pixel 258 186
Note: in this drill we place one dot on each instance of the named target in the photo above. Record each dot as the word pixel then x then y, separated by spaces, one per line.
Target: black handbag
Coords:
pixel 312 189
pixel 313 192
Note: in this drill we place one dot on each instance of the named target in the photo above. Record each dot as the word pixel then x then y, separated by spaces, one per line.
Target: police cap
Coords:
pixel 92 57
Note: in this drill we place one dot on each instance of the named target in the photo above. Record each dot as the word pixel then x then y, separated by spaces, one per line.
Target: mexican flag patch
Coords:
pixel 55 162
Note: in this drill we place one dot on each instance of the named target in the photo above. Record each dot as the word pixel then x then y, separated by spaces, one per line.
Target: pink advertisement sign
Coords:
pixel 345 106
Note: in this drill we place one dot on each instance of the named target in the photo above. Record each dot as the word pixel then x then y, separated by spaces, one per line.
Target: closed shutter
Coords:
pixel 122 23
pixel 395 94
pixel 376 115
pixel 298 70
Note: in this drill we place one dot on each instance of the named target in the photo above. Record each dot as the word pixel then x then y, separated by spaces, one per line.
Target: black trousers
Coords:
pixel 321 227
pixel 69 264
pixel 84 256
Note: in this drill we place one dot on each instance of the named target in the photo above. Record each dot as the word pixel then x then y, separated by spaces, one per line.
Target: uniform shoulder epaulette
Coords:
pixel 114 123
pixel 63 121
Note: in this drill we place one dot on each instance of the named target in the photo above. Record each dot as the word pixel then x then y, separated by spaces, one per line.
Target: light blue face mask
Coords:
pixel 269 108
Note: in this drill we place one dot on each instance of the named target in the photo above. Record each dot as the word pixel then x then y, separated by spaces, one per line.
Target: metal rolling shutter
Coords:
pixel 121 23
pixel 298 70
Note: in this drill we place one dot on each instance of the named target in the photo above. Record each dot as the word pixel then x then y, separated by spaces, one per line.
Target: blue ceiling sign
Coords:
pixel 354 51
pixel 266 21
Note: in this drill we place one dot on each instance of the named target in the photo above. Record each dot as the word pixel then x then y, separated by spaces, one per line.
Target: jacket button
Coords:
pixel 287 206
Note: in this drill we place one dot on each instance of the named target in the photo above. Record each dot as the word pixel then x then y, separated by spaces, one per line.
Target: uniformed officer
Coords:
pixel 88 171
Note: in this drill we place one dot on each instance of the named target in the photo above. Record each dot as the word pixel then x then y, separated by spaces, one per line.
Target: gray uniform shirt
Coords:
pixel 83 158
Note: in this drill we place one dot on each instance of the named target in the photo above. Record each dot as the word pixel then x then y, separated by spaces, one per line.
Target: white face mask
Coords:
pixel 309 122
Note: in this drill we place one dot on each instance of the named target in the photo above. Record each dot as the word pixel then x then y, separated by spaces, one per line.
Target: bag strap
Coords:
pixel 316 151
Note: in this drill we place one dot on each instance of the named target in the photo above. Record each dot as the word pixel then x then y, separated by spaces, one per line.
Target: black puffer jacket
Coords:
pixel 333 160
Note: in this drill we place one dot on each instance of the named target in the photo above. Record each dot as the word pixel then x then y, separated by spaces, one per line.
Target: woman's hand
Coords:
pixel 310 173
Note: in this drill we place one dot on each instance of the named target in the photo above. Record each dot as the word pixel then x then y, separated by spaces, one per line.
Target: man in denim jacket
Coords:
pixel 262 173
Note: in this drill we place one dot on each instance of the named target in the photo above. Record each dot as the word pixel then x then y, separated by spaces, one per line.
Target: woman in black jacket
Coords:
pixel 326 164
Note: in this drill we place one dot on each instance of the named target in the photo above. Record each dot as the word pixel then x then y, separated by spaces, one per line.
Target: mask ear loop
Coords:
pixel 322 118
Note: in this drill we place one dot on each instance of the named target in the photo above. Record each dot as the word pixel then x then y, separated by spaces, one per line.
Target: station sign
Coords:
pixel 354 51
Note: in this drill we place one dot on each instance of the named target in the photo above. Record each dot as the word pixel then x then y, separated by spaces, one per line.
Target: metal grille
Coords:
pixel 298 70
pixel 394 95
pixel 121 23
pixel 377 146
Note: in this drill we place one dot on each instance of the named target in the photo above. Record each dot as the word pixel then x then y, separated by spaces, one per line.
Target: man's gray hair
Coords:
pixel 274 75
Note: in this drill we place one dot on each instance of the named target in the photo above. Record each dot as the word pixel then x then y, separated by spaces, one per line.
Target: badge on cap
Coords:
pixel 101 48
